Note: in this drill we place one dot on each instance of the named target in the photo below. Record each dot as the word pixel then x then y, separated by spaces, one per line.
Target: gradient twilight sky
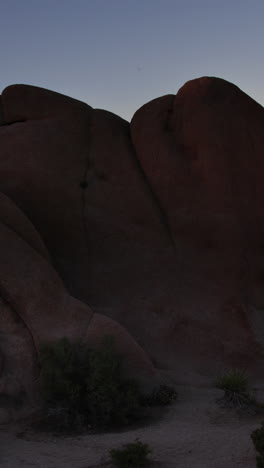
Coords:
pixel 119 54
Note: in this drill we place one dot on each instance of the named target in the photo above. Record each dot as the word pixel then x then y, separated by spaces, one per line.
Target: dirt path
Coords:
pixel 194 433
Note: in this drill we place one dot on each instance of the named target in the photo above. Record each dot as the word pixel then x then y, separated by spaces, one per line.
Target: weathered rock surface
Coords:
pixel 155 228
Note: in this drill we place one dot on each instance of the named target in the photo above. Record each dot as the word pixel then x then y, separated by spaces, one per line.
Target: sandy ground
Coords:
pixel 193 433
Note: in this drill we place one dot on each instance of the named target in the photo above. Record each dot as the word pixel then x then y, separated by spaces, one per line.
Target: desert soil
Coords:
pixel 194 432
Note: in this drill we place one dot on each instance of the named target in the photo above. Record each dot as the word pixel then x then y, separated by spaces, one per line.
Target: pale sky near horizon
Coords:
pixel 119 54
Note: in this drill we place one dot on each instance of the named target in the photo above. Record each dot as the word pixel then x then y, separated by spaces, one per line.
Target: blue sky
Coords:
pixel 119 54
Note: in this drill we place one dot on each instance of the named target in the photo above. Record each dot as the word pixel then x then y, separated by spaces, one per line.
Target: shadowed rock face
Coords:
pixel 151 231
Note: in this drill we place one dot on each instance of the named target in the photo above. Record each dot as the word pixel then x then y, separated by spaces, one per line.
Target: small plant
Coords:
pixel 113 399
pixel 163 395
pixel 84 388
pixel 64 368
pixel 131 455
pixel 234 381
pixel 235 384
pixel 257 437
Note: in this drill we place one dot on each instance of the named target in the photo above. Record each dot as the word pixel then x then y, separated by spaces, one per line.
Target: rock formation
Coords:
pixel 151 231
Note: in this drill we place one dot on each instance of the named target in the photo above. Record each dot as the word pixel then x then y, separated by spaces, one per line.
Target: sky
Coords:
pixel 119 54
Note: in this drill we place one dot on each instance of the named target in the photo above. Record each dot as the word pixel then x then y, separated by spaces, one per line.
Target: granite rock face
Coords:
pixel 152 231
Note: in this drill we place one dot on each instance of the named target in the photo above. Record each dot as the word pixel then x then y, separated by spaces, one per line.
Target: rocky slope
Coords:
pixel 152 231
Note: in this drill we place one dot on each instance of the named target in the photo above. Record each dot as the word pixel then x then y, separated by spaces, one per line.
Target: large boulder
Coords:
pixel 202 154
pixel 154 227
pixel 35 308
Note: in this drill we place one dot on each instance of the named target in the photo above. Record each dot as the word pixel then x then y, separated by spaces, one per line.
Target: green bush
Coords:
pixel 163 395
pixel 113 400
pixel 84 388
pixel 131 455
pixel 234 381
pixel 235 384
pixel 64 366
pixel 257 437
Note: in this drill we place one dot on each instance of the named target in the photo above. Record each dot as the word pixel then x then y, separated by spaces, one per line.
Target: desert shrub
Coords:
pixel 84 388
pixel 235 384
pixel 64 368
pixel 131 455
pixel 235 381
pixel 161 396
pixel 112 399
pixel 257 437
